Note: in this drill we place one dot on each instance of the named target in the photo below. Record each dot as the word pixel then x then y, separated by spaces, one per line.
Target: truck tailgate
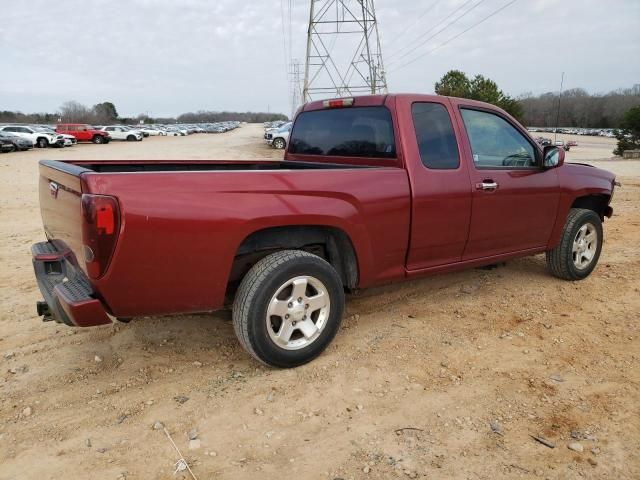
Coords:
pixel 60 206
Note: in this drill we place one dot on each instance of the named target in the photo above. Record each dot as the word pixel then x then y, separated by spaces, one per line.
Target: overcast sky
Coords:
pixel 166 57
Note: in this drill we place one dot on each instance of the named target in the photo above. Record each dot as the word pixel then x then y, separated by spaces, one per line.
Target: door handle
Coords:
pixel 487 185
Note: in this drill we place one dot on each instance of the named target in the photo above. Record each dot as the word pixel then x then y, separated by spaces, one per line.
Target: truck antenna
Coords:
pixel 555 138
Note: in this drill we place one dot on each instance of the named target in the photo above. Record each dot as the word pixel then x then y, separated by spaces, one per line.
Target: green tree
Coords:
pixel 105 112
pixel 485 90
pixel 629 134
pixel 454 83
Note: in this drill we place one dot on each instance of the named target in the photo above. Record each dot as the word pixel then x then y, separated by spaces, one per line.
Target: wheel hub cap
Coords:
pixel 298 312
pixel 585 245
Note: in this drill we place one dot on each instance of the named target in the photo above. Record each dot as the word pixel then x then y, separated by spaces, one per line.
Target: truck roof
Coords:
pixel 381 99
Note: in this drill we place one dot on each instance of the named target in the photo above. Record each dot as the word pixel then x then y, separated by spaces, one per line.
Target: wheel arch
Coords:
pixel 329 242
pixel 599 203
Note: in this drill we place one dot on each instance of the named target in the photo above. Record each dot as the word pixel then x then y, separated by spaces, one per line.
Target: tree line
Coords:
pixel 578 108
pixel 106 113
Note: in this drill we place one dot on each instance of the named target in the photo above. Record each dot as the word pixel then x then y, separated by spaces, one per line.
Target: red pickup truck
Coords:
pixel 372 190
pixel 83 132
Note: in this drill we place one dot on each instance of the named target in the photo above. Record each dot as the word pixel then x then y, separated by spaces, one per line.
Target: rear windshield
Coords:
pixel 349 132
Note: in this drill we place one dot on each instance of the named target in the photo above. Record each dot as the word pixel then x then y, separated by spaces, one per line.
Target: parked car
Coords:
pixel 41 137
pixel 279 138
pixel 83 132
pixel 154 132
pixel 16 141
pixel 174 132
pixel 572 143
pixel 120 132
pixel 6 145
pixel 372 190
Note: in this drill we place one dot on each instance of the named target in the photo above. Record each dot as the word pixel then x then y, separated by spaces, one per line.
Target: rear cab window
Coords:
pixel 435 136
pixel 347 132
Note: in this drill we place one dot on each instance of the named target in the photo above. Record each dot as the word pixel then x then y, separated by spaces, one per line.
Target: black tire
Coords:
pixel 42 142
pixel 560 260
pixel 279 143
pixel 256 290
pixel 131 138
pixel 97 139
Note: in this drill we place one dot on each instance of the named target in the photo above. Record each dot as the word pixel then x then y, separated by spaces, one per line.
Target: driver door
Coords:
pixel 514 199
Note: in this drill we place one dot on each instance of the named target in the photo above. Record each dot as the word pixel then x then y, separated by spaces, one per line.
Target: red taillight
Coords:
pixel 100 227
pixel 338 103
pixel 105 219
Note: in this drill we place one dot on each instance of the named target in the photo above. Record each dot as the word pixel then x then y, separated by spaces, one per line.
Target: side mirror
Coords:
pixel 553 156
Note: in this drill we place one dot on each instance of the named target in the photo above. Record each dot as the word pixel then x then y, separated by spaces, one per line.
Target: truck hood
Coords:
pixel 584 169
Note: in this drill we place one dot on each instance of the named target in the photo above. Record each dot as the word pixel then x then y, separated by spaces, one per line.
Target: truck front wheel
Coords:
pixel 279 143
pixel 288 308
pixel 577 254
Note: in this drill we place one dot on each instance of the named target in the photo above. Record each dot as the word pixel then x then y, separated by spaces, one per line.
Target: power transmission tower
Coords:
pixel 295 85
pixel 355 65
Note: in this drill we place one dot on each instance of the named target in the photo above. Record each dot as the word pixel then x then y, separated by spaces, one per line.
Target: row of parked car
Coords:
pixel 558 143
pixel 277 133
pixel 24 137
pixel 597 132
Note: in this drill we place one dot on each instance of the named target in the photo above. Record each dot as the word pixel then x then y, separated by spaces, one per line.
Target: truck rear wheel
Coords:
pixel 98 139
pixel 577 254
pixel 288 308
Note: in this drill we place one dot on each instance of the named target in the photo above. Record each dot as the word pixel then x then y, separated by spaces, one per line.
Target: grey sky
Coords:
pixel 166 57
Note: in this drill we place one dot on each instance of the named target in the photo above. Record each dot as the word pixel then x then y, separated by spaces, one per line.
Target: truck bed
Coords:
pixel 183 222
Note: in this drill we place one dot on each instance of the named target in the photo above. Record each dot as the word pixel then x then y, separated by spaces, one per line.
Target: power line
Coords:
pixel 454 37
pixel 284 39
pixel 405 30
pixel 411 47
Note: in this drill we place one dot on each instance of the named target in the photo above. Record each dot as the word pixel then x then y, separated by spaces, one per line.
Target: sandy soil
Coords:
pixel 445 377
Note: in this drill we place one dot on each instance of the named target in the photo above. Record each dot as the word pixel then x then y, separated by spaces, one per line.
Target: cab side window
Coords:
pixel 435 136
pixel 495 143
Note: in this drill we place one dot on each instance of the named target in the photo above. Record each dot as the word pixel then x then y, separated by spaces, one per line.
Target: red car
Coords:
pixel 372 190
pixel 83 132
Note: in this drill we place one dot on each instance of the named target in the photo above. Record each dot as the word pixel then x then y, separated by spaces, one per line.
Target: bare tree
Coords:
pixel 74 112
pixel 579 108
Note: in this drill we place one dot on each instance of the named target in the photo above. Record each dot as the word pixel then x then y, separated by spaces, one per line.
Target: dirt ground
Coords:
pixel 445 377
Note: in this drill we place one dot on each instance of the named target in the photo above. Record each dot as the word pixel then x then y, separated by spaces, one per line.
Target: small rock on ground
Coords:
pixel 576 447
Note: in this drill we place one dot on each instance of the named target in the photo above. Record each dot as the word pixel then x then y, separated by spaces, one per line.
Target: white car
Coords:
pixel 120 132
pixel 38 135
pixel 280 137
pixel 69 140
pixel 153 132
pixel 175 132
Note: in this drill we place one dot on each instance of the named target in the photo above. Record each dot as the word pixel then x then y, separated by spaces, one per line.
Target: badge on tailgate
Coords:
pixel 53 189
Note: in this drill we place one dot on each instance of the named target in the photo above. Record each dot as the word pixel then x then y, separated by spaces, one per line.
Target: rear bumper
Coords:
pixel 67 293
